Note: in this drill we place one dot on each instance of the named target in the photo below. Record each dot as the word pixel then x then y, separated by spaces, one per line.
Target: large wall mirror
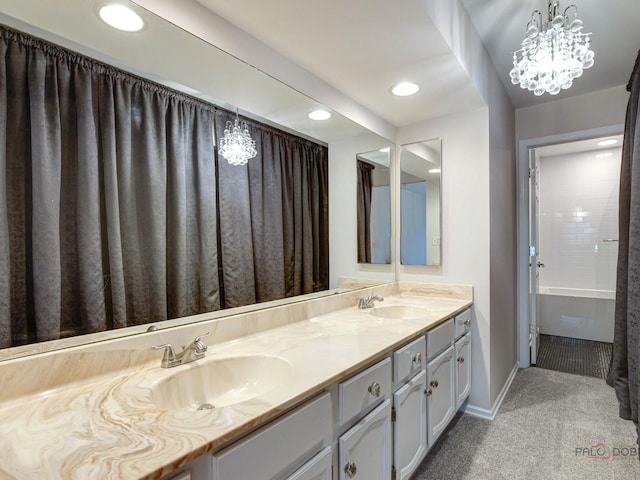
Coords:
pixel 374 206
pixel 421 203
pixel 173 57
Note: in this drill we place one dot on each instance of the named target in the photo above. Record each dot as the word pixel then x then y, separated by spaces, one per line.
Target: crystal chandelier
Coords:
pixel 237 146
pixel 552 53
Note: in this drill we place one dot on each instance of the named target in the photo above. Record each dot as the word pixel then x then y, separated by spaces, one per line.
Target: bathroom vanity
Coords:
pixel 318 389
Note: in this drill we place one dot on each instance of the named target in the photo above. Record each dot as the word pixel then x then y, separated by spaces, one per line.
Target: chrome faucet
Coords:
pixel 188 354
pixel 368 302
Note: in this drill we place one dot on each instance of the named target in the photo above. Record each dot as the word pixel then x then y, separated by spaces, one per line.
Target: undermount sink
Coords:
pixel 399 312
pixel 219 383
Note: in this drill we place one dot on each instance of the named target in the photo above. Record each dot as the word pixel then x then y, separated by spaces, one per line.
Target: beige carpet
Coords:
pixel 545 429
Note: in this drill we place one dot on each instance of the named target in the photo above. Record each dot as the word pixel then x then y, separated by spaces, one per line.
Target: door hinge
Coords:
pixel 393 472
pixel 393 414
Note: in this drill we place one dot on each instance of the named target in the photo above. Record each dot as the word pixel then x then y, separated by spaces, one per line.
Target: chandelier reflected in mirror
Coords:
pixel 552 53
pixel 237 146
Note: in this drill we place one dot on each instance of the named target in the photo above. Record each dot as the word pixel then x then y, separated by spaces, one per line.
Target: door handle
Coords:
pixel 540 264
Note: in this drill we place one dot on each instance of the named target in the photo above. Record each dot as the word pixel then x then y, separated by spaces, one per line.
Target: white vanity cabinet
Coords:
pixel 462 323
pixel 410 425
pixel 441 384
pixel 441 393
pixel 276 450
pixel 463 368
pixel 363 390
pixel 365 449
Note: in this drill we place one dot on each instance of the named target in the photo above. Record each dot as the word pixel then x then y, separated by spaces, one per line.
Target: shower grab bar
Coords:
pixel 608 240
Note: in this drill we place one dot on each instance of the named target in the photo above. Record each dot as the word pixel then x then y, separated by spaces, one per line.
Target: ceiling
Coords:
pixel 363 47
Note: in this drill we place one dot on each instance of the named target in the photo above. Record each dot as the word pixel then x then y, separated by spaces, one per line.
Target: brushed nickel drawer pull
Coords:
pixel 374 389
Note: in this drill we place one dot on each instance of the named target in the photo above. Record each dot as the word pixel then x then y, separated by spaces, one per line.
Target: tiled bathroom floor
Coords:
pixel 573 355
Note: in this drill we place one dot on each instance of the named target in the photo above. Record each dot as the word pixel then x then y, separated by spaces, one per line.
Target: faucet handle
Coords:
pixel 169 354
pixel 200 346
pixel 200 337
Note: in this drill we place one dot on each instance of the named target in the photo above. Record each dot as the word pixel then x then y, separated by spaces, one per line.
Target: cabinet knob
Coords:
pixel 434 383
pixel 428 392
pixel 374 389
pixel 460 359
pixel 467 323
pixel 417 359
pixel 350 469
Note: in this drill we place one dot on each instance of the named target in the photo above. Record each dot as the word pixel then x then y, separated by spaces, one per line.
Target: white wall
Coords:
pixel 455 26
pixel 573 114
pixel 465 224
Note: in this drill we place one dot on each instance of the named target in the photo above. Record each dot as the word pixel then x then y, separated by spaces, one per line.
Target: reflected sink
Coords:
pixel 221 382
pixel 399 312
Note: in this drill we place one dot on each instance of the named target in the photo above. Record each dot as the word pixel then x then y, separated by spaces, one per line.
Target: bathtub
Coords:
pixel 576 313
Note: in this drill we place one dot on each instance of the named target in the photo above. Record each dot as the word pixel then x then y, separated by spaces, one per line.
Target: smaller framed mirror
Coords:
pixel 421 203
pixel 374 206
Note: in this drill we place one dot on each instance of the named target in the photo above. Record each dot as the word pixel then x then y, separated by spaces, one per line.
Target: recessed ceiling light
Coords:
pixel 604 155
pixel 404 89
pixel 319 115
pixel 605 143
pixel 121 17
pixel 434 170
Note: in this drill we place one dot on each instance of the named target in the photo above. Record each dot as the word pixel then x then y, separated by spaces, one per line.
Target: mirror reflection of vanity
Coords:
pixel 374 206
pixel 205 72
pixel 420 203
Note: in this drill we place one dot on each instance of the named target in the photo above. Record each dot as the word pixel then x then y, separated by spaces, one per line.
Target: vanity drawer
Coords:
pixel 463 323
pixel 439 338
pixel 409 359
pixel 277 446
pixel 364 390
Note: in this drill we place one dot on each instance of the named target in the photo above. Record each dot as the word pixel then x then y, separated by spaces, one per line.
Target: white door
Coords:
pixel 534 256
pixel 410 425
pixel 441 401
pixel 365 449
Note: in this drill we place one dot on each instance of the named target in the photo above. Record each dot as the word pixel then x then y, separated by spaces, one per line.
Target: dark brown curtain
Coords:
pixel 274 240
pixel 364 190
pixel 624 372
pixel 108 188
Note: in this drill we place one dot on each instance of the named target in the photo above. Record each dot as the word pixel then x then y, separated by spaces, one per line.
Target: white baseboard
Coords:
pixel 491 414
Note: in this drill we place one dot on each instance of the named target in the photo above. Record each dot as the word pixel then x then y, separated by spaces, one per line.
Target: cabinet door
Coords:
pixel 410 425
pixel 318 468
pixel 365 449
pixel 463 369
pixel 441 402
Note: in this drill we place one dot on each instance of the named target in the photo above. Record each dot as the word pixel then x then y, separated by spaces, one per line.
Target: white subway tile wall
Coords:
pixel 578 219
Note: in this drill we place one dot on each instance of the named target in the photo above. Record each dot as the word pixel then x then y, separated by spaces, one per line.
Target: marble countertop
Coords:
pixel 109 427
